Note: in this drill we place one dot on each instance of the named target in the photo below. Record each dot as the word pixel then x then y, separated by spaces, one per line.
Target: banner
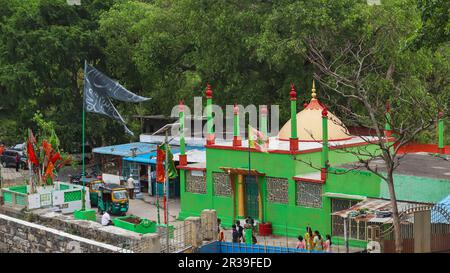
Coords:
pixel 160 159
pixel 98 91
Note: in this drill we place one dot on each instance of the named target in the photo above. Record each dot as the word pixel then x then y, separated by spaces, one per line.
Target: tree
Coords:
pixel 367 70
pixel 434 30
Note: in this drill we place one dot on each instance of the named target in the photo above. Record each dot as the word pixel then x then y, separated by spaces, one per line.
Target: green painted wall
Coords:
pixel 287 219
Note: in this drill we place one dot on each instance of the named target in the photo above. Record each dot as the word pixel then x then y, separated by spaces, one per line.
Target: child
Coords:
pixel 300 243
pixel 317 241
pixel 309 238
pixel 327 244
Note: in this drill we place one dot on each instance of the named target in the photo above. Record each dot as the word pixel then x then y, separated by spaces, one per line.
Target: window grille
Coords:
pixel 277 190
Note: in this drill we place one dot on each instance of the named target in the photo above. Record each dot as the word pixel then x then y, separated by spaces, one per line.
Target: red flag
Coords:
pixel 55 158
pixel 31 154
pixel 160 172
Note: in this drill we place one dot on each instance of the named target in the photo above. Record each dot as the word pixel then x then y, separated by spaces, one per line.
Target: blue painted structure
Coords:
pixel 436 216
pixel 145 155
pixel 227 247
pixel 124 150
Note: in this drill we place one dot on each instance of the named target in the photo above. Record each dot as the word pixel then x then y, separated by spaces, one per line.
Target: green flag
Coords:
pixel 172 171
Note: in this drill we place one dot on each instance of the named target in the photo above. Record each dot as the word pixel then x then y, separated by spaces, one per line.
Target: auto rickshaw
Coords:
pixel 94 191
pixel 113 198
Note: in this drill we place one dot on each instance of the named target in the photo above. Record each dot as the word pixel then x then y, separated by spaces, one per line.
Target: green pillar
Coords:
pixel 182 140
pixel 236 121
pixel 237 141
pixel 293 95
pixel 441 131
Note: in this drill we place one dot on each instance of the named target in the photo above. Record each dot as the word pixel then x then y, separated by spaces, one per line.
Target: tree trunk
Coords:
pixel 395 216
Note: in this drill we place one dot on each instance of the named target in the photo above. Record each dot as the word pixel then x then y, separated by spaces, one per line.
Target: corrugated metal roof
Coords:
pixel 126 149
pixel 194 154
pixel 373 206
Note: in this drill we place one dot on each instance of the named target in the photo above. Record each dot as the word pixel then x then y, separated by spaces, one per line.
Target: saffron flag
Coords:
pixel 160 159
pixel 98 91
pixel 49 171
pixel 257 140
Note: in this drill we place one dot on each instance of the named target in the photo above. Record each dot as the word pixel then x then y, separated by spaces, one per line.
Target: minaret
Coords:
pixel 183 157
pixel 441 132
pixel 324 167
pixel 210 138
pixel 293 141
pixel 387 126
pixel 263 122
pixel 237 141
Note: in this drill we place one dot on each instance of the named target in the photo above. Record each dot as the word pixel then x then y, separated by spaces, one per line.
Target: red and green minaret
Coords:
pixel 237 141
pixel 210 138
pixel 324 163
pixel 183 157
pixel 293 141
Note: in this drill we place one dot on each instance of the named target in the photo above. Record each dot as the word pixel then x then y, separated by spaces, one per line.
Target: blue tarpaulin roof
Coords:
pixel 125 149
pixel 437 215
pixel 145 152
pixel 150 158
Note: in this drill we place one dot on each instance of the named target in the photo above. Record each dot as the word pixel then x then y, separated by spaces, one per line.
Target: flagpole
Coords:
pixel 167 192
pixel 83 200
pixel 249 162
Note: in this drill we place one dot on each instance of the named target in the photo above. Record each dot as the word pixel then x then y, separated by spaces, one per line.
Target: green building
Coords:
pixel 299 179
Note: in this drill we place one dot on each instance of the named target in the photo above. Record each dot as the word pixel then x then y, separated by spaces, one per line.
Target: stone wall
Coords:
pixel 148 243
pixel 20 236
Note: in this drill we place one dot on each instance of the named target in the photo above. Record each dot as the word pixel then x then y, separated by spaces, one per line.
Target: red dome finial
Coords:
pixel 293 94
pixel 208 91
pixel 181 106
pixel 236 109
pixel 440 114
pixel 264 110
pixel 324 112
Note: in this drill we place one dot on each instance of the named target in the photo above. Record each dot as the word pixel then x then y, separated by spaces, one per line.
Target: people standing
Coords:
pixel 317 241
pixel 327 244
pixel 240 231
pixel 235 234
pixel 309 238
pixel 130 187
pixel 300 243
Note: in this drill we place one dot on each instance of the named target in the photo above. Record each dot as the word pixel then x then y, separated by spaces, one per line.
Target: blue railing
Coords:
pixel 227 247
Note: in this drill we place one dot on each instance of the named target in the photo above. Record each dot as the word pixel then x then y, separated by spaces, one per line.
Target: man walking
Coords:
pixel 130 187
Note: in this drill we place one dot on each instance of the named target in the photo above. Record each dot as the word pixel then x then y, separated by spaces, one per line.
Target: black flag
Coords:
pixel 98 91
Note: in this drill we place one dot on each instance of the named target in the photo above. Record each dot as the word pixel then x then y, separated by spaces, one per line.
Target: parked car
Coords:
pixel 8 159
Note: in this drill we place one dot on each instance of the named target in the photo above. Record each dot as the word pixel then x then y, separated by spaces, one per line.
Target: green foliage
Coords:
pixel 249 51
